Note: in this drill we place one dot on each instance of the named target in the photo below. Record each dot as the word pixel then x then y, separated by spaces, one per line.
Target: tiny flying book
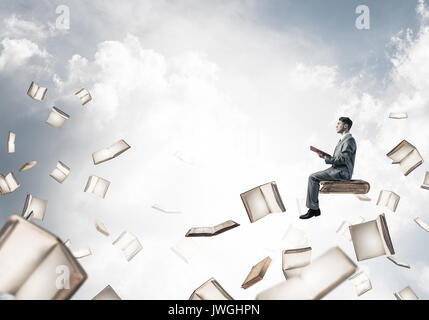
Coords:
pixel 317 279
pixel 406 294
pixel 99 226
pixel 211 231
pixel 27 166
pixel 129 244
pixel 262 200
pixel 84 96
pixel 406 155
pixel 11 142
pixel 185 249
pixel 36 92
pixel 35 264
pixel 399 263
pixel 210 290
pixel 81 253
pixel 34 208
pixel 371 239
pixel 425 184
pixel 388 199
pixel 97 186
pixel 398 115
pixel 361 283
pixel 257 273
pixel 8 184
pixel 60 173
pixel 57 118
pixel 111 152
pixel 314 149
pixel 107 294
pixel 421 224
pixel 294 261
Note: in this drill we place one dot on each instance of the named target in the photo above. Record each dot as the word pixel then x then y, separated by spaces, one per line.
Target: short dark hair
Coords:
pixel 346 121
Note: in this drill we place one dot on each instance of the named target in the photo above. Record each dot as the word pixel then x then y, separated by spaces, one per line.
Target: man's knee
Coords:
pixel 313 177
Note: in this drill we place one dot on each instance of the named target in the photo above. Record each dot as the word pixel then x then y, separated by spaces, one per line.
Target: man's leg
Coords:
pixel 314 179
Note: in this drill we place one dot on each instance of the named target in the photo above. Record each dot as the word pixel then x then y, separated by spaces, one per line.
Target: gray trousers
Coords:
pixel 330 174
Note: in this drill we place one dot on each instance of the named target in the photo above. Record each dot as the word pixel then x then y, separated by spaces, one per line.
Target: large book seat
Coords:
pixel 351 186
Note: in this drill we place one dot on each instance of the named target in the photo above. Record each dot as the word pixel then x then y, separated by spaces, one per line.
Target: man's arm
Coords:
pixel 346 151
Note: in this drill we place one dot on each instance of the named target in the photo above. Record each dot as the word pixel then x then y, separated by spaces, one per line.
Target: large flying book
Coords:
pixel 371 239
pixel 425 184
pixel 60 173
pixel 317 279
pixel 97 186
pixel 262 200
pixel 398 115
pixel 84 96
pixel 406 155
pixel 210 290
pixel 11 142
pixel 388 199
pixel 57 118
pixel 27 166
pixel 36 92
pixel 107 294
pixel 34 208
pixel 294 260
pixel 361 283
pixel 349 187
pixel 422 224
pixel 128 244
pixel 211 231
pixel 8 184
pixel 399 263
pixel 314 149
pixel 111 152
pixel 406 294
pixel 35 264
pixel 257 273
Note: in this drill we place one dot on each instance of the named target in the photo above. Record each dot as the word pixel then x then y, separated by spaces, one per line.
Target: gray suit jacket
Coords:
pixel 344 157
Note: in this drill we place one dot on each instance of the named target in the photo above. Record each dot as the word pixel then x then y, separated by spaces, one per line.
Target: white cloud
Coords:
pixel 17 52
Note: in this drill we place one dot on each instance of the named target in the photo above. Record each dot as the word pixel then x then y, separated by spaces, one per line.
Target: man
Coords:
pixel 342 162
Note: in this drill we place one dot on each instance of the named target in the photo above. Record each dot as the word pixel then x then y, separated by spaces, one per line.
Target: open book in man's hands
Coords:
pixel 319 151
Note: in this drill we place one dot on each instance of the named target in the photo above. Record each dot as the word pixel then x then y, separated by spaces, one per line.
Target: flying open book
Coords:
pixel 257 273
pixel 8 184
pixel 27 166
pixel 425 184
pixel 211 231
pixel 406 155
pixel 210 290
pixel 314 149
pixel 57 118
pixel 388 199
pixel 11 142
pixel 294 261
pixel 361 283
pixel 111 152
pixel 84 96
pixel 61 172
pixel 406 294
pixel 36 92
pixel 34 208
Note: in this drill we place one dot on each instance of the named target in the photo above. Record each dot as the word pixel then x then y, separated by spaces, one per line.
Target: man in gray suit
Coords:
pixel 342 162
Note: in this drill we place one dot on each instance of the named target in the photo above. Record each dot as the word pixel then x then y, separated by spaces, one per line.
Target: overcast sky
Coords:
pixel 239 89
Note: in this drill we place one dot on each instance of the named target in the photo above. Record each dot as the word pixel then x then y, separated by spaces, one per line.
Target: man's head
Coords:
pixel 344 125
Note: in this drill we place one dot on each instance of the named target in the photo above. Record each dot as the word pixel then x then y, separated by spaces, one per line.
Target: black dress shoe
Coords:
pixel 310 213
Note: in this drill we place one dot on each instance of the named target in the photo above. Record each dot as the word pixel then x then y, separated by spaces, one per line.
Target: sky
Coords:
pixel 238 89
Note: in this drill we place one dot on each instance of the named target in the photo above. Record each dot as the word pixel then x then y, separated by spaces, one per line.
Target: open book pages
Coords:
pixel 186 249
pixel 262 200
pixel 257 273
pixel 36 92
pixel 163 209
pixel 100 227
pixel 27 166
pixel 111 152
pixel 107 294
pixel 211 231
pixel 8 184
pixel 34 264
pixel 314 149
pixel 407 156
pixel 388 199
pixel 344 230
pixel 210 290
pixel 362 197
pixel 34 208
pixel 61 172
pixel 406 294
pixel 97 186
pixel 361 283
pixel 57 118
pixel 371 239
pixel 317 279
pixel 11 142
pixel 129 244
pixel 84 96
pixel 295 238
pixel 425 184
pixel 81 253
pixel 398 263
pixel 398 115
pixel 294 261
pixel 422 224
